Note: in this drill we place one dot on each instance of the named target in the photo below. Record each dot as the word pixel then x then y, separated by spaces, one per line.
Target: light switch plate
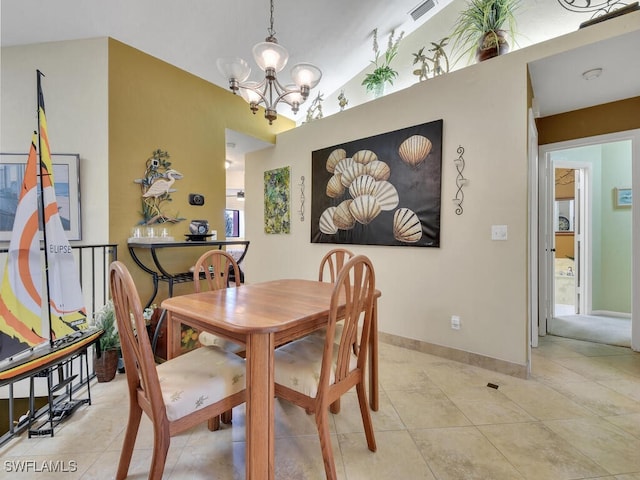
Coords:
pixel 498 232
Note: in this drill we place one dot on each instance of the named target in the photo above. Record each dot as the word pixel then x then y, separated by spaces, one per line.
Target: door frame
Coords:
pixel 537 224
pixel 533 327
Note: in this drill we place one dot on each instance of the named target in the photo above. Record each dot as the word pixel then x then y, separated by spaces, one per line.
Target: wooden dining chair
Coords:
pixel 330 266
pixel 314 374
pixel 177 394
pixel 213 271
pixel 216 268
pixel 332 262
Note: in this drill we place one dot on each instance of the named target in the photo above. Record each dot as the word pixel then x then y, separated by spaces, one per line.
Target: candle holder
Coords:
pixel 460 180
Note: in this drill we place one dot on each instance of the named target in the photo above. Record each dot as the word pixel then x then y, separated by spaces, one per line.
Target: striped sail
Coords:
pixel 21 321
pixel 68 313
pixel 30 279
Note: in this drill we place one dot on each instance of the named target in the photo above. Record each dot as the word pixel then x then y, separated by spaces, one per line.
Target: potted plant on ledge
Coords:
pixel 105 363
pixel 383 73
pixel 482 28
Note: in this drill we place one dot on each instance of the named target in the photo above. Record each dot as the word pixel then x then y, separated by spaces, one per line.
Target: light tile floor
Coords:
pixel 578 417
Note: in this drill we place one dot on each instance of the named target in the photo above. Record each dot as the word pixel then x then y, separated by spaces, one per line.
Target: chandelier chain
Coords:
pixel 271 58
pixel 272 32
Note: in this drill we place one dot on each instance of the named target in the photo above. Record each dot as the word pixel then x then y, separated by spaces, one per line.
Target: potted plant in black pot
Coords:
pixel 483 27
pixel 105 363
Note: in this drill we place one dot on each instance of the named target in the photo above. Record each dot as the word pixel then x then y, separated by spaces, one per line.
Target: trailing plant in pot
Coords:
pixel 106 362
pixel 382 73
pixel 483 27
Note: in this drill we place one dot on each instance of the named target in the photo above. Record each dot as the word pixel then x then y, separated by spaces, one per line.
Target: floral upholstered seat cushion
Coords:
pixel 298 364
pixel 198 378
pixel 321 332
pixel 212 340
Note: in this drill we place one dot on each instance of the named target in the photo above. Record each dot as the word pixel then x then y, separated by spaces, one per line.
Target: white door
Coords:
pixel 546 245
pixel 571 225
pixel 581 239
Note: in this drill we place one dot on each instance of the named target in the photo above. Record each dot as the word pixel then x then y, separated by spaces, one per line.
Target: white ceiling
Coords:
pixel 559 85
pixel 192 34
pixel 333 34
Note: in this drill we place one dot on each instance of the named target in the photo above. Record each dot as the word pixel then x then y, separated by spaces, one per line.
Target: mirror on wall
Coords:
pixel 563 217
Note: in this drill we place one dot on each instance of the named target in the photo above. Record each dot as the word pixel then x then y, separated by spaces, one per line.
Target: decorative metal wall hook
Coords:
pixel 301 211
pixel 595 7
pixel 460 180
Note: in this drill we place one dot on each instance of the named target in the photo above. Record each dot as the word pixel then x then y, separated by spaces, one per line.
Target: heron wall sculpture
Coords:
pixel 157 188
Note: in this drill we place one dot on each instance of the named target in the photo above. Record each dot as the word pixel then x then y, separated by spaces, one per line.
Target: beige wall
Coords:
pixel 482 281
pixel 484 108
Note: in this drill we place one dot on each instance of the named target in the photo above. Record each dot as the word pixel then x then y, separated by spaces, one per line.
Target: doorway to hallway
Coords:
pixel 588 259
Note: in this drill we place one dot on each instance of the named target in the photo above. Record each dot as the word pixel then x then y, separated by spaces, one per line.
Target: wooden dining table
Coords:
pixel 261 316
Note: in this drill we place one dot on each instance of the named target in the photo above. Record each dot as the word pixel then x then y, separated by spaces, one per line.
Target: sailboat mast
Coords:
pixel 40 98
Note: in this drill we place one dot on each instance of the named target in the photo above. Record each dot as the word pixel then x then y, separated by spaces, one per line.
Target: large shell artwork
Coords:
pixel 387 195
pixel 383 189
pixel 378 170
pixel 414 150
pixel 326 221
pixel 334 186
pixel 351 173
pixel 362 185
pixel 364 157
pixel 365 208
pixel 342 217
pixel 406 226
pixel 343 165
pixel 334 157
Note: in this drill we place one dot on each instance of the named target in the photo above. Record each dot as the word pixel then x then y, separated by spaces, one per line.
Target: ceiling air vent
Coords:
pixel 421 9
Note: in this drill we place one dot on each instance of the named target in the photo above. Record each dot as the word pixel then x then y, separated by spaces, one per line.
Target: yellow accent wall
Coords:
pixel 154 105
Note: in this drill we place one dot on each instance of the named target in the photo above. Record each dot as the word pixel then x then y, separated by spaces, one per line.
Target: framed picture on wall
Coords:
pixel 277 201
pixel 380 190
pixel 623 197
pixel 66 176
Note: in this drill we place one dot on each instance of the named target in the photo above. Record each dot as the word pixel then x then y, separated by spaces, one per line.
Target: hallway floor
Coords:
pixel 578 417
pixel 592 328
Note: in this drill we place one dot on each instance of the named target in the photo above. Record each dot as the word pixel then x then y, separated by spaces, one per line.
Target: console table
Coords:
pixel 161 274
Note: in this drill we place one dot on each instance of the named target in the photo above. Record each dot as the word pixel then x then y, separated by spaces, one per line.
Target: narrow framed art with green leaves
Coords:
pixel 277 200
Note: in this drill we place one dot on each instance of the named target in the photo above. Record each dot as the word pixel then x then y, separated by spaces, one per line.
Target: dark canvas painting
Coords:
pixel 380 190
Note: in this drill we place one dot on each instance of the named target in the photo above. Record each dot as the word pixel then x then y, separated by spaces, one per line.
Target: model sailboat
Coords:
pixel 41 302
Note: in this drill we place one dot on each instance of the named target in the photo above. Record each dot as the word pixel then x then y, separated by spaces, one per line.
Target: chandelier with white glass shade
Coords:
pixel 271 58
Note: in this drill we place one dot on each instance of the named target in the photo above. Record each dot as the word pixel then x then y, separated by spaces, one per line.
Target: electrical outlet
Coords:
pixel 498 232
pixel 455 322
